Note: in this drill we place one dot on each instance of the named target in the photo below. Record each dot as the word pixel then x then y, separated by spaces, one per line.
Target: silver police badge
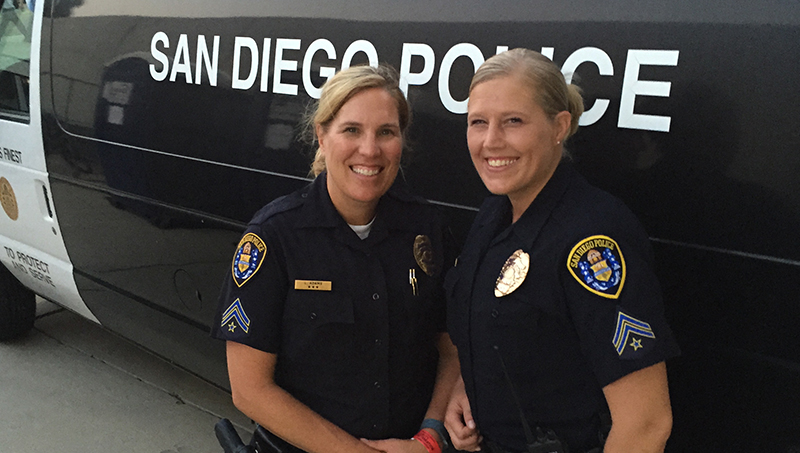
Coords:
pixel 513 273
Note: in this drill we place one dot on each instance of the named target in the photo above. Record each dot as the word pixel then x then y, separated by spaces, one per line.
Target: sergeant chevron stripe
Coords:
pixel 627 325
pixel 236 312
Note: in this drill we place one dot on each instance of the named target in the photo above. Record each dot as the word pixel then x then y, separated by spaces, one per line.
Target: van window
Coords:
pixel 16 21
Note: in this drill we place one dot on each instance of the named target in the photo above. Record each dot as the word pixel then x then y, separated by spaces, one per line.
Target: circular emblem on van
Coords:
pixel 8 199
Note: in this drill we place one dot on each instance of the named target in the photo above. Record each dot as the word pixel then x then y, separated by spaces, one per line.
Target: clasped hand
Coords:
pixel 464 434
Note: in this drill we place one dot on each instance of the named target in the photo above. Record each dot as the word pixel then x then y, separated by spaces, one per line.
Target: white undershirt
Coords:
pixel 362 230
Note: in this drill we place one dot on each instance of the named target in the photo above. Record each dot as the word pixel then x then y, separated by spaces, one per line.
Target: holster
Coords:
pixel 264 441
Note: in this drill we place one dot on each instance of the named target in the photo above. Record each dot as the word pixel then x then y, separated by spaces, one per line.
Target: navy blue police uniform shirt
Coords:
pixel 353 322
pixel 588 311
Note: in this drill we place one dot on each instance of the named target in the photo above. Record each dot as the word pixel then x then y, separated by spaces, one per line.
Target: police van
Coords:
pixel 138 138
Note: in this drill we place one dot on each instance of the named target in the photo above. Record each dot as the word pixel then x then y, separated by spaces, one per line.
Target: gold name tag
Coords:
pixel 312 285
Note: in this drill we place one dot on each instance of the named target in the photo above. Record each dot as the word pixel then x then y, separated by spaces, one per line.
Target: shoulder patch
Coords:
pixel 234 317
pixel 629 333
pixel 597 264
pixel 248 258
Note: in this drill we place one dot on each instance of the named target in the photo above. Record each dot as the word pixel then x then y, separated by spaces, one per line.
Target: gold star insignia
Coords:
pixel 636 344
pixel 231 327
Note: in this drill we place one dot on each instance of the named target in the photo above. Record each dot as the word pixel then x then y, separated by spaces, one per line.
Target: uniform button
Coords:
pixel 313 316
pixel 495 313
pixel 375 427
pixel 377 342
pixel 496 348
pixel 305 195
pixel 377 385
pixel 376 296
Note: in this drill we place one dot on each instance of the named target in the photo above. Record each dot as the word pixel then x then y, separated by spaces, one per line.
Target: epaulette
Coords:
pixel 279 205
pixel 400 192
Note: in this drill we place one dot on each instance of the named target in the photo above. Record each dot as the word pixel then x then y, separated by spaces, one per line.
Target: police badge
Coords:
pixel 512 274
pixel 597 264
pixel 247 260
pixel 423 253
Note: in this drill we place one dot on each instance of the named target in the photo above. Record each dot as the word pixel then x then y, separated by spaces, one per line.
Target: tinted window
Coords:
pixel 16 20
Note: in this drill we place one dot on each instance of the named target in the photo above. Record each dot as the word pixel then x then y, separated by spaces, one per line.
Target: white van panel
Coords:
pixel 33 248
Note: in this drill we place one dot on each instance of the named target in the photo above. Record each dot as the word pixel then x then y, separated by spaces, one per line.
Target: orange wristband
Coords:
pixel 427 441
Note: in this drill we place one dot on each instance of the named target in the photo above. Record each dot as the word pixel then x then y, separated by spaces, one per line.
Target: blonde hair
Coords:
pixel 542 76
pixel 341 88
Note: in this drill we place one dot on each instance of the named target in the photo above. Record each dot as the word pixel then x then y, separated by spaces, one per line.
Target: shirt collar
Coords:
pixel 319 211
pixel 526 229
pixel 529 225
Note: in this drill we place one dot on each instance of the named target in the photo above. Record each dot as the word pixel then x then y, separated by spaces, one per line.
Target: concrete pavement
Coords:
pixel 72 387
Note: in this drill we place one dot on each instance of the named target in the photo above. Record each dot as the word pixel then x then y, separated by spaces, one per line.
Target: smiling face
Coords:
pixel 514 146
pixel 362 146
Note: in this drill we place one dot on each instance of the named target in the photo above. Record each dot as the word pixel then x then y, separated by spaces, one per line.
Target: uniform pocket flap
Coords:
pixel 319 307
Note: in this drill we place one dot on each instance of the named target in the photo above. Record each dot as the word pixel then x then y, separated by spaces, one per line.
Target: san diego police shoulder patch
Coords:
pixel 597 263
pixel 248 258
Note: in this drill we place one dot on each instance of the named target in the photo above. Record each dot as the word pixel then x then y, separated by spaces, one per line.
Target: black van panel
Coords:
pixel 173 169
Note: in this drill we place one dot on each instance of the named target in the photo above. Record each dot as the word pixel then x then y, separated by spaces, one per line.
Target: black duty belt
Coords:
pixel 492 447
